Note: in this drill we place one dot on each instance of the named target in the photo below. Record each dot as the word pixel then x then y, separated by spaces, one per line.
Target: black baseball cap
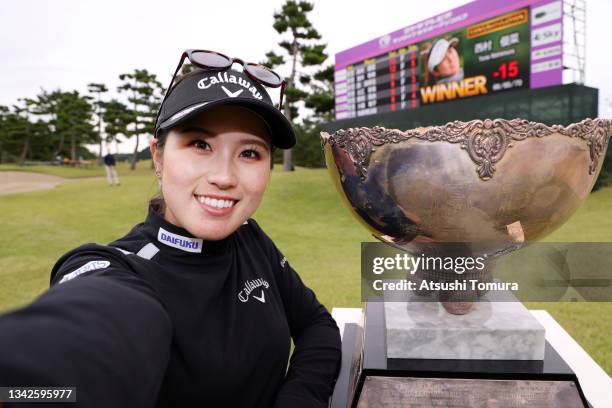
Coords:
pixel 203 90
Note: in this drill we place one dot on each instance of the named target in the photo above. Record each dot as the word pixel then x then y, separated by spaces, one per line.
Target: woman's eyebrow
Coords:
pixel 256 141
pixel 197 129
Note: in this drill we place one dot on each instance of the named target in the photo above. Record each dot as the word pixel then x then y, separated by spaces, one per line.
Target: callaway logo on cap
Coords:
pixel 202 90
pixel 223 77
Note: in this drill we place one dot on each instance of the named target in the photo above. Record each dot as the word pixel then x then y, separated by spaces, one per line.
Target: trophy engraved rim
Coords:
pixel 486 141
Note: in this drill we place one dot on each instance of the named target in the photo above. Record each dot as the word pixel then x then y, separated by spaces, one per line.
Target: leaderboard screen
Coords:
pixel 485 47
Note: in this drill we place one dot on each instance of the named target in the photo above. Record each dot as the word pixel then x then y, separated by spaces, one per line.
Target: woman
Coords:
pixel 195 306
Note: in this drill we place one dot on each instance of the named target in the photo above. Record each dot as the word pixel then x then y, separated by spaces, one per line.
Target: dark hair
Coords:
pixel 157 202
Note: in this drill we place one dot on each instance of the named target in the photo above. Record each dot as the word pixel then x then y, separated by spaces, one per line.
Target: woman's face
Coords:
pixel 449 65
pixel 214 171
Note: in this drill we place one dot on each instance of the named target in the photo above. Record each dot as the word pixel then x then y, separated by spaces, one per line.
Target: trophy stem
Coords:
pixel 456 291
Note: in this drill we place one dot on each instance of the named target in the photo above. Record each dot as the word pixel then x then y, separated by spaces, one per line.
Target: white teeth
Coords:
pixel 213 202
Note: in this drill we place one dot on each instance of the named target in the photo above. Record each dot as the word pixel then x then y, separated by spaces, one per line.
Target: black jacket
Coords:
pixel 159 318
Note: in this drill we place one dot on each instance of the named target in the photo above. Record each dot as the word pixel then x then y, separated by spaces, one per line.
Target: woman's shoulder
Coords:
pixel 251 224
pixel 93 256
pixel 253 234
pixel 83 259
pixel 250 230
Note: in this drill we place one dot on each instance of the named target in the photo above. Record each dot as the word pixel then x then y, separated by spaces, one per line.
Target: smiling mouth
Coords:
pixel 216 202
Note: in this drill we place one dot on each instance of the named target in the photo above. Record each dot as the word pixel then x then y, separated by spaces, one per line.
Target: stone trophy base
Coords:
pixel 369 377
pixel 492 330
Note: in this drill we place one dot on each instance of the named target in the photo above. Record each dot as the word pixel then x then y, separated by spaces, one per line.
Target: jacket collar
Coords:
pixel 175 240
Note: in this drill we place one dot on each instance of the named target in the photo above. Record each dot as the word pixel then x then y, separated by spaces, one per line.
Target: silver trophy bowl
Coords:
pixel 483 186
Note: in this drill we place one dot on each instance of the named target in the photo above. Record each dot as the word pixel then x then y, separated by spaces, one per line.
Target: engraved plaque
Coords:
pixel 473 393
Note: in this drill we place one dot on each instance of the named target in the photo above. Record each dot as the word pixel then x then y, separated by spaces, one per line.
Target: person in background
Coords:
pixel 111 172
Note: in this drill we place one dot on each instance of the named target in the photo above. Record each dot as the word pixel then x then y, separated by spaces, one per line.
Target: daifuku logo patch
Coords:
pixel 88 267
pixel 179 241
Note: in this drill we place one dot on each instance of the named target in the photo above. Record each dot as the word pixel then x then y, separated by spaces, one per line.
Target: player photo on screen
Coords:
pixel 443 63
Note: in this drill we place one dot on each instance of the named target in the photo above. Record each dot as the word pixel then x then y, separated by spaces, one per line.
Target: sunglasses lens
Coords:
pixel 210 59
pixel 264 74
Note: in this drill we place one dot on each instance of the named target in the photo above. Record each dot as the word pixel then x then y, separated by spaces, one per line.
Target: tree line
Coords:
pixel 59 123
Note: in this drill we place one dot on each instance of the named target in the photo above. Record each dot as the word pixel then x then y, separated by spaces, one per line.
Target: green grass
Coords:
pixel 591 223
pixel 301 211
pixel 590 324
pixel 67 171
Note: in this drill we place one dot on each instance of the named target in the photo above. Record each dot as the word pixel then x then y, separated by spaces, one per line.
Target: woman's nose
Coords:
pixel 222 173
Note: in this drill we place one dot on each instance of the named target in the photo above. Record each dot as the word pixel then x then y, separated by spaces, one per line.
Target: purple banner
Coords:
pixel 546 43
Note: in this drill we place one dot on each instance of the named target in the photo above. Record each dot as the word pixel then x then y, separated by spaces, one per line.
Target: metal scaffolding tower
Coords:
pixel 574 40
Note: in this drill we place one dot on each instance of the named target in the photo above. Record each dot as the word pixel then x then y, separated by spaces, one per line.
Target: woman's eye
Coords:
pixel 200 144
pixel 250 154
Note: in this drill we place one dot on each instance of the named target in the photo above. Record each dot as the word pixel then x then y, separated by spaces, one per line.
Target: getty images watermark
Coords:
pixel 435 266
pixel 469 271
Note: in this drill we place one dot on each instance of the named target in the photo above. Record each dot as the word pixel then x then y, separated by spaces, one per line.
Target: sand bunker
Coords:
pixel 20 182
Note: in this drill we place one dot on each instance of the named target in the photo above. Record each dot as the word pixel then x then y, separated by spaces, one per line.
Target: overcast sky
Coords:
pixel 68 43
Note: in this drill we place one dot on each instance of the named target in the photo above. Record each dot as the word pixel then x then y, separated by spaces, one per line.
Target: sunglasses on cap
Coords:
pixel 215 61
